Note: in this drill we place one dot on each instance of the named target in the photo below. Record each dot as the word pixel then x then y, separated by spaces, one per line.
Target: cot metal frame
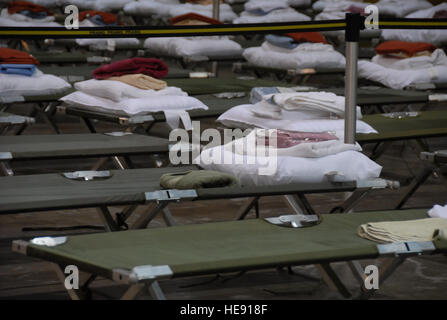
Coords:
pixel 434 163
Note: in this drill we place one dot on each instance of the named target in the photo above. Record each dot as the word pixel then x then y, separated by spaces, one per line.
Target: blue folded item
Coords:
pixel 98 20
pixel 20 69
pixel 263 12
pixel 34 15
pixel 257 93
pixel 281 41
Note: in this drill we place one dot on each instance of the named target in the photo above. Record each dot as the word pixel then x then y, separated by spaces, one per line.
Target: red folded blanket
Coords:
pixel 107 17
pixel 441 14
pixel 193 16
pixel 149 66
pixel 11 56
pixel 18 6
pixel 314 37
pixel 408 49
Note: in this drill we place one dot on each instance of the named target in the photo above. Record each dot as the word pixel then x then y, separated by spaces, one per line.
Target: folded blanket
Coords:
pixel 318 105
pixel 289 144
pixel 149 66
pixel 314 37
pixel 99 17
pixel 197 179
pixel 20 6
pixel 441 14
pixel 21 69
pixel 141 81
pixel 11 56
pixel 438 211
pixel 402 231
pixel 405 49
pixel 193 19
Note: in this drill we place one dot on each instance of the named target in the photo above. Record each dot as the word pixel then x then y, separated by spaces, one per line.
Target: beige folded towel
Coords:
pixel 141 81
pixel 403 231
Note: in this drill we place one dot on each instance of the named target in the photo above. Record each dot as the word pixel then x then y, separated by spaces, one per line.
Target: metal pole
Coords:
pixel 351 92
pixel 352 36
pixel 216 9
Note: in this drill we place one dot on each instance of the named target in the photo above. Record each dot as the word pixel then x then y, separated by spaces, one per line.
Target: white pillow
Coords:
pixel 350 166
pixel 281 15
pixel 117 90
pixel 154 103
pixel 399 79
pixel 294 59
pixel 38 84
pixel 203 46
pixel 242 117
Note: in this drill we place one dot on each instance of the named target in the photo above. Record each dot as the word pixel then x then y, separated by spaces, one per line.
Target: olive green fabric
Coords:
pixel 426 124
pixel 197 179
pixel 225 246
pixel 80 145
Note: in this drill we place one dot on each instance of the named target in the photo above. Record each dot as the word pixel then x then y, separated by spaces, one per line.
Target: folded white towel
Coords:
pixel 438 211
pixel 313 105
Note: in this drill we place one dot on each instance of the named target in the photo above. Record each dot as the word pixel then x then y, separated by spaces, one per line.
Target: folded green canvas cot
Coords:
pixel 139 258
pixel 8 120
pixel 134 187
pixel 69 146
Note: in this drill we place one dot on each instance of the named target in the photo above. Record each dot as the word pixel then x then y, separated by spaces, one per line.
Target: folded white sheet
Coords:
pixel 432 36
pixel 318 105
pixel 305 55
pixel 281 15
pixel 399 79
pixel 242 117
pixel 437 58
pixel 200 46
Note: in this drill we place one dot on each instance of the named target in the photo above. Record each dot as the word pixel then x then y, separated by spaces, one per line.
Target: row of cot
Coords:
pixel 139 269
pixel 44 199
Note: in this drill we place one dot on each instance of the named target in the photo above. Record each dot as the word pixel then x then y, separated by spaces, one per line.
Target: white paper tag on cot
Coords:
pixel 49 241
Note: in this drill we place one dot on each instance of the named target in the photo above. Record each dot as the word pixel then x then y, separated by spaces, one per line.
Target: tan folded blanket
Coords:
pixel 403 231
pixel 141 81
